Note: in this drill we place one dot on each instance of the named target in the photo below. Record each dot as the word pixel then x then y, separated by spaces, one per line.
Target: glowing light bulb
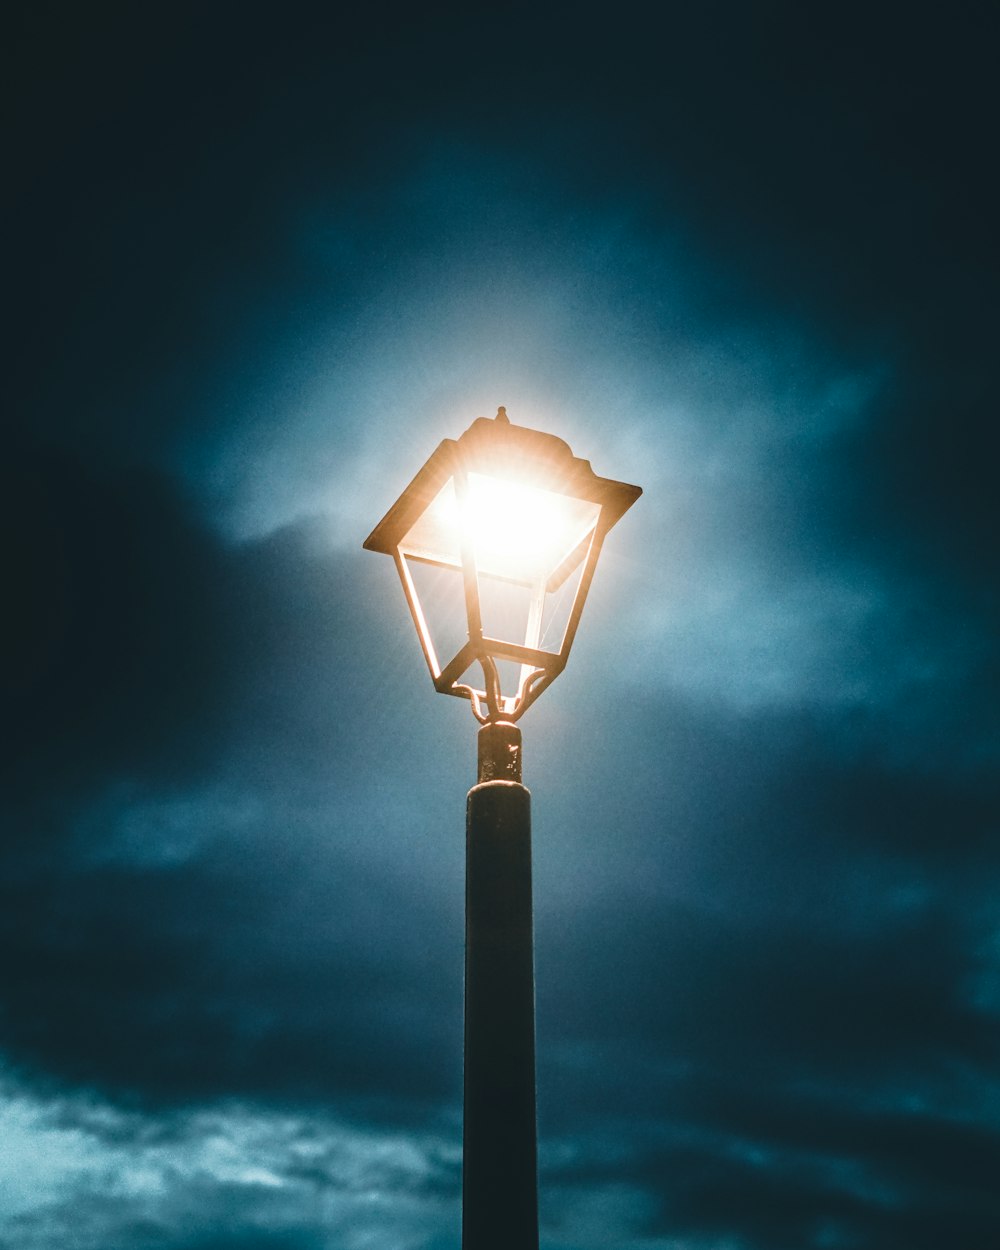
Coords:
pixel 517 532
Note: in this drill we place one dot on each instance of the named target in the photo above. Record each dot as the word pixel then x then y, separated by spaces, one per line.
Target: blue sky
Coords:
pixel 265 260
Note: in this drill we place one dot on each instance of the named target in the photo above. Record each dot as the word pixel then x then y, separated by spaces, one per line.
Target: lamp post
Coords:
pixel 496 540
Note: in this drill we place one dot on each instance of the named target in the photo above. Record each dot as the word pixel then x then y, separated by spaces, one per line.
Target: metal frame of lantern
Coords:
pixel 518 457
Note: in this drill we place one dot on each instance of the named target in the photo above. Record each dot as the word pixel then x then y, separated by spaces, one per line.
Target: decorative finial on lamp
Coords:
pixel 502 415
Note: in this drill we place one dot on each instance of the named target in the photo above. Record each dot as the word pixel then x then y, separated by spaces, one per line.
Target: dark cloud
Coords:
pixel 771 1169
pixel 168 937
pixel 192 982
pixel 115 649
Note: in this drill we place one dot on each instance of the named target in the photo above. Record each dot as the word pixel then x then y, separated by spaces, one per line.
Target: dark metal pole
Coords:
pixel 499 1176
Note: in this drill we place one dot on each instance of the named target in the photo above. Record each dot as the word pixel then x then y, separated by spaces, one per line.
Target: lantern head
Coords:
pixel 496 540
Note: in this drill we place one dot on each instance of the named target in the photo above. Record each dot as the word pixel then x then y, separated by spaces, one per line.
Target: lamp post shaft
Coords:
pixel 499 1180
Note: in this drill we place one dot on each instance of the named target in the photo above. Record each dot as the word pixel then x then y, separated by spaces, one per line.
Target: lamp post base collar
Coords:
pixel 499 752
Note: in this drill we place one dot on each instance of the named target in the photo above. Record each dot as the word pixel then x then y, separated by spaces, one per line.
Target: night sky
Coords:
pixel 261 260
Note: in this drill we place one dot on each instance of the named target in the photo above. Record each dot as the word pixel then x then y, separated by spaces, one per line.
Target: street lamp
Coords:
pixel 496 540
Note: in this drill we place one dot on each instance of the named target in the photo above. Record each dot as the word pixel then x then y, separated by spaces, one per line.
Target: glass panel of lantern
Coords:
pixel 526 548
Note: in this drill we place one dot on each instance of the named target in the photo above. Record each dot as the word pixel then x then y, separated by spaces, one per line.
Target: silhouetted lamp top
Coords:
pixel 496 540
